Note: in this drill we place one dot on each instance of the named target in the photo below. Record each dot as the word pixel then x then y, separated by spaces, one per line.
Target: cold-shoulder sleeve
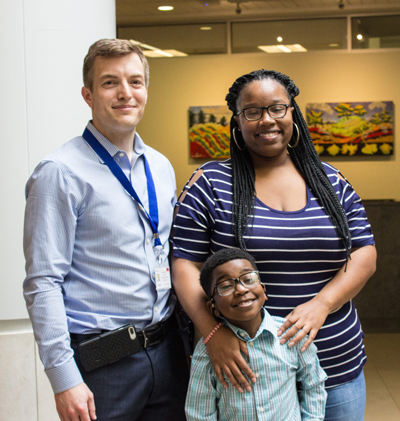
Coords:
pixel 194 221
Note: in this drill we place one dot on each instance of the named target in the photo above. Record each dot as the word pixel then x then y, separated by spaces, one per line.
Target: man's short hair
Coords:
pixel 217 259
pixel 111 48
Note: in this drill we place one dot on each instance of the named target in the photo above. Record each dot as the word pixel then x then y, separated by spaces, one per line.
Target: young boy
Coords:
pixel 290 383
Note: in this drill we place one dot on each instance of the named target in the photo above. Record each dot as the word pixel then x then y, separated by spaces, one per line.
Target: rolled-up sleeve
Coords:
pixel 311 377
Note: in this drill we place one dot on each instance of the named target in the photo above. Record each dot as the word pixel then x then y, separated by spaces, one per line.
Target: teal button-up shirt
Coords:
pixel 289 387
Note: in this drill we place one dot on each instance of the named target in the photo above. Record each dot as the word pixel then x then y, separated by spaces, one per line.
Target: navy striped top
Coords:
pixel 297 254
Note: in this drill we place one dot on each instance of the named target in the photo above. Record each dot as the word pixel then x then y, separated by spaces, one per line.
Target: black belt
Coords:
pixel 147 337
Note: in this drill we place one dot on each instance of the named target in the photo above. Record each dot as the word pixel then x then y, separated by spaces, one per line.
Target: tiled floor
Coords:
pixel 382 374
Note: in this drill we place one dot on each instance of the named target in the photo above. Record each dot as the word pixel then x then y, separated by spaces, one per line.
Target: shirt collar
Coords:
pixel 267 324
pixel 139 146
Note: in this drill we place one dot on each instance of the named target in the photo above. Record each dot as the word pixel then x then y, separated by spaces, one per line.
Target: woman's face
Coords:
pixel 267 137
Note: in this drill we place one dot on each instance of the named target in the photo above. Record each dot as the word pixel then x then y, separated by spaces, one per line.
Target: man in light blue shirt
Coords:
pixel 290 383
pixel 97 253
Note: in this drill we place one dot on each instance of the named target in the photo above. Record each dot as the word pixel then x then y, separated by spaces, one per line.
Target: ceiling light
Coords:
pixel 292 48
pixel 284 48
pixel 164 53
pixel 360 37
pixel 279 39
pixel 176 53
pixel 157 53
pixel 205 28
pixel 270 48
pixel 333 45
pixel 296 48
pixel 165 8
pixel 150 51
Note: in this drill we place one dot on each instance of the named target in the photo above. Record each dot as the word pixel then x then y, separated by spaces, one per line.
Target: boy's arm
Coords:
pixel 202 397
pixel 310 375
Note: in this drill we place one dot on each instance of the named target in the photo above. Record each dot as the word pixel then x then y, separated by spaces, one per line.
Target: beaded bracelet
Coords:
pixel 212 333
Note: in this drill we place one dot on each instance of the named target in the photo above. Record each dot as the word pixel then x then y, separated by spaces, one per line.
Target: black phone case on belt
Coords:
pixel 108 347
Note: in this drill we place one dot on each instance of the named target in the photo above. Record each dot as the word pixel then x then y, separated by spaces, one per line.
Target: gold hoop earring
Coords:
pixel 298 137
pixel 237 144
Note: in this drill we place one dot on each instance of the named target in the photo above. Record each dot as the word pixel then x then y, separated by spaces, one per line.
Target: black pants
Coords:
pixel 148 386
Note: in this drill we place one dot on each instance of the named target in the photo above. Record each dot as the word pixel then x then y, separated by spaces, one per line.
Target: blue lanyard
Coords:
pixel 119 174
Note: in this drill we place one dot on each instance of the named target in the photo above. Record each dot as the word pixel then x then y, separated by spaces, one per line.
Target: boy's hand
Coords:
pixel 225 350
pixel 307 317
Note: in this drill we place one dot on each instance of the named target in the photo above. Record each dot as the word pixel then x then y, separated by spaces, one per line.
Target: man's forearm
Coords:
pixel 47 312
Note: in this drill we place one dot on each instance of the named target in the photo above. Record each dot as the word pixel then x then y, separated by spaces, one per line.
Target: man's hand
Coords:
pixel 224 350
pixel 76 404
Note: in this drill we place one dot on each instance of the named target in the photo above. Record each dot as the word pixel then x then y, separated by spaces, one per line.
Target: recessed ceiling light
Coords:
pixel 165 8
pixel 360 37
pixel 296 48
pixel 292 48
pixel 205 28
pixel 284 48
pixel 279 39
pixel 150 51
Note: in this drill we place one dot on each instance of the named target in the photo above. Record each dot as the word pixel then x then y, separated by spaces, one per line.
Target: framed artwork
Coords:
pixel 209 134
pixel 351 128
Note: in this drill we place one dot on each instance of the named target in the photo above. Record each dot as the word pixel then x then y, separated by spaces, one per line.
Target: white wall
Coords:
pixel 43 43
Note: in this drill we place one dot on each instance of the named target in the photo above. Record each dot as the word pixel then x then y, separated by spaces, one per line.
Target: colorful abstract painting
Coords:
pixel 209 132
pixel 351 128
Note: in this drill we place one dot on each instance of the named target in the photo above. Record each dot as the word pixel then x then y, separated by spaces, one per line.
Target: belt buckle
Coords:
pixel 148 339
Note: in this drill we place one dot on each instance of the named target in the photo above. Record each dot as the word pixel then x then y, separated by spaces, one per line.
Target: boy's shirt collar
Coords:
pixel 267 324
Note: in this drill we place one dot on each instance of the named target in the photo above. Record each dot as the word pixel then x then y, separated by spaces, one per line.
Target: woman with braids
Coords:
pixel 301 221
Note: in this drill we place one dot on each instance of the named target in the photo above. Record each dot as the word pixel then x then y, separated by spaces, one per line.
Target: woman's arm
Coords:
pixel 345 285
pixel 224 347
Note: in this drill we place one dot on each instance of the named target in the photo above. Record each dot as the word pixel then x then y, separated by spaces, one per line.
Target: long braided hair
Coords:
pixel 304 157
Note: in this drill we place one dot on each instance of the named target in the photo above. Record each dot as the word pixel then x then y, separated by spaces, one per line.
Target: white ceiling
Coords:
pixel 145 12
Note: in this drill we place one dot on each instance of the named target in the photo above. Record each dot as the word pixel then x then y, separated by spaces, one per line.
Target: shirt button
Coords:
pixel 121 154
pixel 156 309
pixel 242 334
pixel 148 241
pixel 257 375
pixel 251 344
pixel 154 276
pixel 262 409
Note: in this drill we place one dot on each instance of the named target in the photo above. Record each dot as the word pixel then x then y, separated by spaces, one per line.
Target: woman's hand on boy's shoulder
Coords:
pixel 305 319
pixel 225 351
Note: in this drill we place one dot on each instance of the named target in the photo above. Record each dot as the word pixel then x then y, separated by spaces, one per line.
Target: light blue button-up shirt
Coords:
pixel 274 396
pixel 89 248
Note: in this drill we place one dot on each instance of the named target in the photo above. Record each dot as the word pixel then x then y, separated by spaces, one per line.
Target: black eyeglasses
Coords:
pixel 256 113
pixel 228 286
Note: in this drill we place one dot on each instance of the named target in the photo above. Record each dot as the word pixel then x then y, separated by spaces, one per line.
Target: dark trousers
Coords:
pixel 150 385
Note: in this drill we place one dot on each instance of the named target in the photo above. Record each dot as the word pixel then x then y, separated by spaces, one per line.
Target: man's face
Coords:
pixel 118 96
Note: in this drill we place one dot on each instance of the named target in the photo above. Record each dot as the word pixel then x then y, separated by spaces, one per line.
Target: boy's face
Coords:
pixel 242 307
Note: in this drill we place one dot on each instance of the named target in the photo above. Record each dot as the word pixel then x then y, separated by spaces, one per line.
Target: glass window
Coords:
pixel 289 35
pixel 185 39
pixel 375 32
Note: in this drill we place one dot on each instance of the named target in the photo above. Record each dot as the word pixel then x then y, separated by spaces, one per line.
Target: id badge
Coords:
pixel 163 278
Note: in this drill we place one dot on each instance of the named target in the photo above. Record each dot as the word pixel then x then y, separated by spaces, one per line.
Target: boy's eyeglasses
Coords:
pixel 228 286
pixel 256 113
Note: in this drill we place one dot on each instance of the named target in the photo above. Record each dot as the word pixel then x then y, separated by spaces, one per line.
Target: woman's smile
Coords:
pixel 267 137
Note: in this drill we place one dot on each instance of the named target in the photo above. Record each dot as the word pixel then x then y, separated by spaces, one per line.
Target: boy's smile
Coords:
pixel 241 307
